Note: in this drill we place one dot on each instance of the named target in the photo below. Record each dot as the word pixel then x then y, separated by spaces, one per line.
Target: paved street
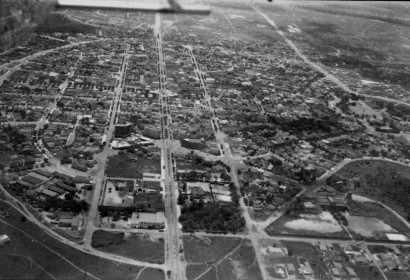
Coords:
pixel 173 242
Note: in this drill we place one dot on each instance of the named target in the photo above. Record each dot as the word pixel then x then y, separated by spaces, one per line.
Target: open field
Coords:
pixel 229 258
pixel 367 272
pixel 194 270
pixel 210 275
pixel 371 39
pixel 140 247
pixel 374 210
pixel 242 264
pixel 202 249
pixel 397 276
pixel 9 271
pixel 122 166
pixel 151 274
pixel 57 259
pixel 383 181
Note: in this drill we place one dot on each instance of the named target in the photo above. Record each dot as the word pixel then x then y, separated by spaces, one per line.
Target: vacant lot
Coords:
pixel 383 181
pixel 29 242
pixel 370 209
pixel 208 249
pixel 9 270
pixel 366 272
pixel 242 264
pixel 194 270
pixel 397 276
pixel 220 258
pixel 140 247
pixel 151 274
pixel 122 166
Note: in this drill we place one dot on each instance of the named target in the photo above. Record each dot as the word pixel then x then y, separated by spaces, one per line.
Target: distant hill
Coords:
pixel 60 23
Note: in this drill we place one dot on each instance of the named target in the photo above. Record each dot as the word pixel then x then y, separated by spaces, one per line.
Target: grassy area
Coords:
pixel 369 209
pixel 396 276
pixel 231 258
pixel 194 270
pixel 28 240
pixel 366 272
pixel 314 257
pixel 151 274
pixel 122 166
pixel 383 181
pixel 208 249
pixel 210 275
pixel 140 247
pixel 242 264
pixel 32 271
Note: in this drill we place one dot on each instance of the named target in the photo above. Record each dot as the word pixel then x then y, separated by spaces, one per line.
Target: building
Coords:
pixel 123 130
pixel 277 251
pixel 195 144
pixel 152 132
pixel 148 220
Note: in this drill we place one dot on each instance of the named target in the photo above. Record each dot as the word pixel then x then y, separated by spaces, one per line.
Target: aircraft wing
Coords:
pixel 170 6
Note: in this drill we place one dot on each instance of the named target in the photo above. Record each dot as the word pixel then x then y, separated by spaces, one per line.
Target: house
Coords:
pixel 277 251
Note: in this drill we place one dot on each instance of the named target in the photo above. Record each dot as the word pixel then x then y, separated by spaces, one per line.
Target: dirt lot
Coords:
pixel 140 247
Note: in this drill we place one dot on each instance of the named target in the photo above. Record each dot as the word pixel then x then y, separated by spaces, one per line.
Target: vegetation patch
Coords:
pixel 384 181
pixel 132 245
pixel 121 166
pixel 211 217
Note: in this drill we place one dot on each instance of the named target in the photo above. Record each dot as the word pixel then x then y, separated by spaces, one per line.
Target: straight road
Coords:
pixel 99 178
pixel 252 232
pixel 173 244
